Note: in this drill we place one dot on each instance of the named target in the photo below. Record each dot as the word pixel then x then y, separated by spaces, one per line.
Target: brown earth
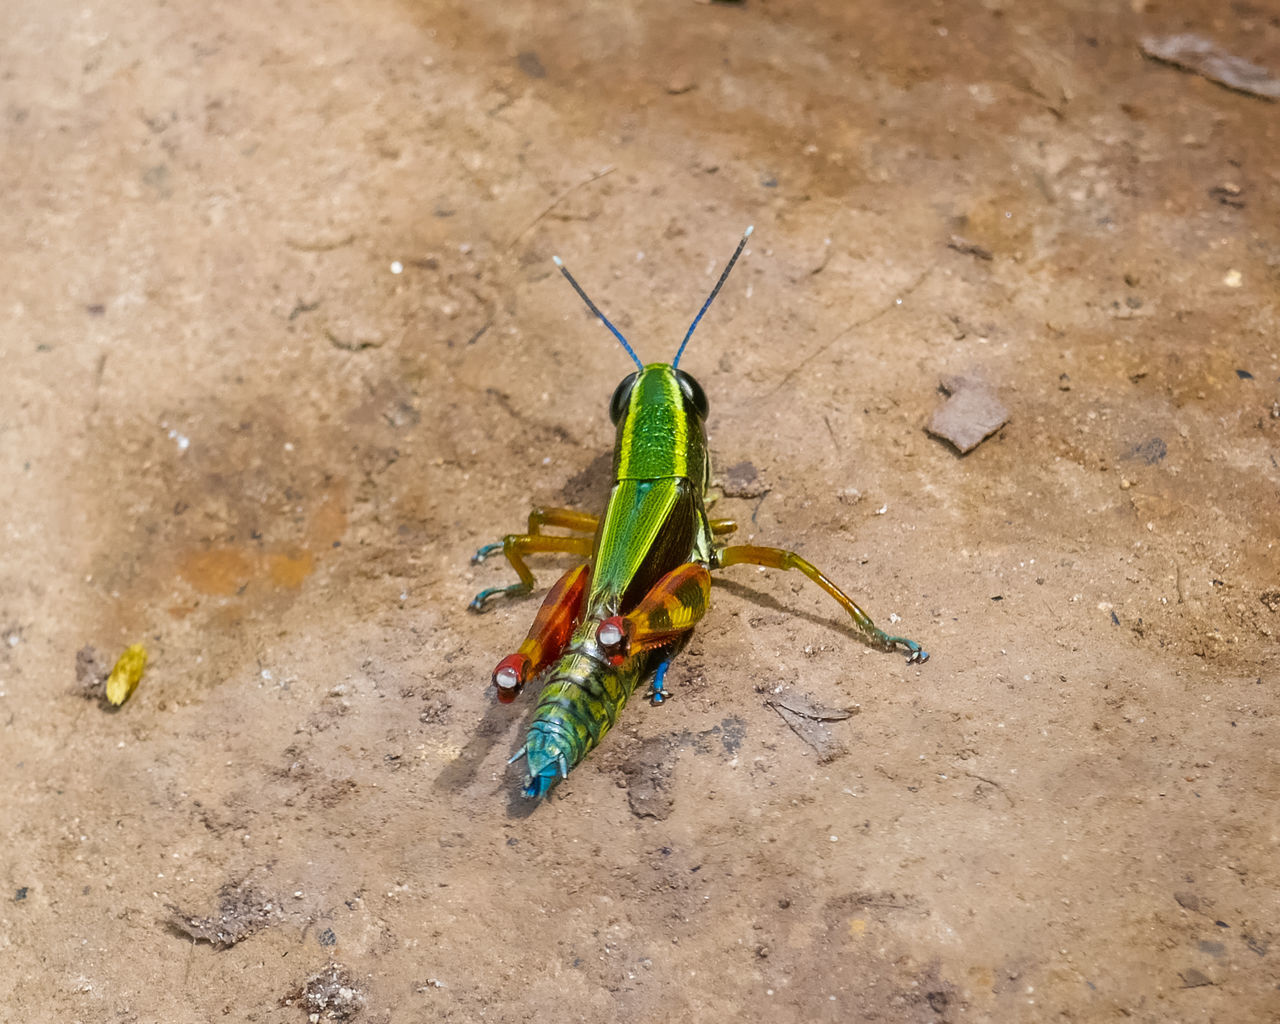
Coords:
pixel 231 432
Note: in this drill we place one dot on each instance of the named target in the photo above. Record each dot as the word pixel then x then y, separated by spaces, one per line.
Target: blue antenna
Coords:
pixel 592 306
pixel 714 292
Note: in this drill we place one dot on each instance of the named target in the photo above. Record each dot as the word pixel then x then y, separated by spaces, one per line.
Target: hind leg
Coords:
pixel 668 611
pixel 777 558
pixel 548 635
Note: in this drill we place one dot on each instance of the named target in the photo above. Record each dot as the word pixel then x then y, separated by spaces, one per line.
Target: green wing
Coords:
pixel 650 527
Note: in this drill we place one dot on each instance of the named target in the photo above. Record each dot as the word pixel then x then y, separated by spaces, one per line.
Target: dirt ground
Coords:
pixel 232 431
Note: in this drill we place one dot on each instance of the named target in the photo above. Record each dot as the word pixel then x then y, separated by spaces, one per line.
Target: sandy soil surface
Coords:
pixel 232 432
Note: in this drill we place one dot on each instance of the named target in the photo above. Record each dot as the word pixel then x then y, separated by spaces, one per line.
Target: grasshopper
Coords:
pixel 629 607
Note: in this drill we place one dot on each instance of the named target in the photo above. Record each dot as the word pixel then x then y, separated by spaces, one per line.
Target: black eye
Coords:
pixel 621 395
pixel 693 392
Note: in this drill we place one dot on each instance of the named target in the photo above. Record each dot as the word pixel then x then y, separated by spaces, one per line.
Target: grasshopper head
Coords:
pixel 660 415
pixel 657 382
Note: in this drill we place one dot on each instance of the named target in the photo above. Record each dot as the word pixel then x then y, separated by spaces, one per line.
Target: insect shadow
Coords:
pixel 491 731
pixel 499 727
pixel 836 624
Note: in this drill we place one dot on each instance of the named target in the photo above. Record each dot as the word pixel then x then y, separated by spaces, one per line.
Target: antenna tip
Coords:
pixel 557 261
pixel 747 233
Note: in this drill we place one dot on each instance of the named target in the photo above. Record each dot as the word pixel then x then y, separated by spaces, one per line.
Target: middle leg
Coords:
pixel 516 547
pixel 567 518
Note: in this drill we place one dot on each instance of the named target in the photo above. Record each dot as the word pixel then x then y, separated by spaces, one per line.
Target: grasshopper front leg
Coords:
pixel 777 558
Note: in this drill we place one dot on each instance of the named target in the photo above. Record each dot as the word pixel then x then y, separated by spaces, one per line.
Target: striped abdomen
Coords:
pixel 579 703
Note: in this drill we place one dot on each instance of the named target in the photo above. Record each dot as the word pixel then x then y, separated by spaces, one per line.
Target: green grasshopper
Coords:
pixel 630 606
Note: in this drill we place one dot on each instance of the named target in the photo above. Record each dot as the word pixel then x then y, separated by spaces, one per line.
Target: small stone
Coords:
pixel 967 247
pixel 971 415
pixel 742 480
pixel 681 82
pixel 528 62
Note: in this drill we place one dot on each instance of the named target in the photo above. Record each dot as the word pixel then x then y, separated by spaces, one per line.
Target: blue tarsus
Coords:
pixel 478 602
pixel 916 655
pixel 656 693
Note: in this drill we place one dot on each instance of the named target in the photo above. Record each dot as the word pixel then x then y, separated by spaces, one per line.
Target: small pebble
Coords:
pixel 681 82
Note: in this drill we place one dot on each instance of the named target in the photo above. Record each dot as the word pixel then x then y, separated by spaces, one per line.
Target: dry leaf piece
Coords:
pixel 242 911
pixel 127 674
pixel 807 719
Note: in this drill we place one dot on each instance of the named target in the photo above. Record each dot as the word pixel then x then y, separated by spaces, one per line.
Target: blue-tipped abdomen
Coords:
pixel 576 708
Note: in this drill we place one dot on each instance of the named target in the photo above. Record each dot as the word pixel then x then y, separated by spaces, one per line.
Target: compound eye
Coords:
pixel 621 395
pixel 693 393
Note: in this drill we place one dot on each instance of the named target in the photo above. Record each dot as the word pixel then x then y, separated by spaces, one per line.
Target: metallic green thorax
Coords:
pixel 655 520
pixel 660 435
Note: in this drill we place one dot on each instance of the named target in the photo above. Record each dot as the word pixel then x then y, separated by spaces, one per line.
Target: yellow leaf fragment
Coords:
pixel 126 675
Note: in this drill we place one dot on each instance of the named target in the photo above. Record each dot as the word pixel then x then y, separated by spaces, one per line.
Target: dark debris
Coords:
pixel 742 480
pixel 1150 451
pixel 964 246
pixel 332 994
pixel 242 911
